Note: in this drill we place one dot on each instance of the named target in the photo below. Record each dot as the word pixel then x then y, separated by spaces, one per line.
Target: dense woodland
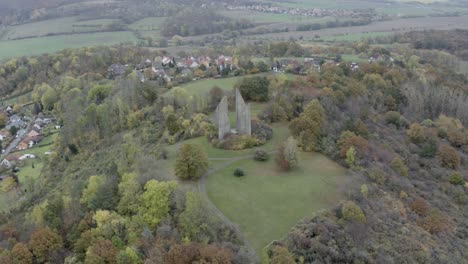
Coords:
pixel 398 125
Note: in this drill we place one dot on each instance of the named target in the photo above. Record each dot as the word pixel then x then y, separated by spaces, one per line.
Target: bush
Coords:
pixel 457 179
pixel 351 211
pixel 416 133
pixel 238 142
pixel 261 155
pixel 238 172
pixel 393 117
pixel 419 206
pixel 449 157
pixel 429 149
pixel 261 130
pixel 399 166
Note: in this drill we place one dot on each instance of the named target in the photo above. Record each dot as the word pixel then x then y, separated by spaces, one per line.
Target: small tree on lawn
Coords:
pixel 191 162
pixel 288 155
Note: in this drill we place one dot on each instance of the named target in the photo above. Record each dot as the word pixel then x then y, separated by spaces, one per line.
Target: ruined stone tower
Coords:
pixel 222 118
pixel 243 125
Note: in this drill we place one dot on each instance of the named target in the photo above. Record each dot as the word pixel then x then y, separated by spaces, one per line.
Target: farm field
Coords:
pixel 36 46
pixel 148 24
pixel 356 37
pixel 68 25
pixel 267 202
pixel 261 17
pixel 393 26
pixel 400 7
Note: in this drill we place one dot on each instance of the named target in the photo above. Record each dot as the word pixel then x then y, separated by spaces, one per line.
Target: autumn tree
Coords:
pixel 154 204
pixel 308 127
pixel 101 251
pixel 449 157
pixel 21 254
pixel 44 243
pixel 281 255
pixel 416 133
pixel 288 155
pixel 191 162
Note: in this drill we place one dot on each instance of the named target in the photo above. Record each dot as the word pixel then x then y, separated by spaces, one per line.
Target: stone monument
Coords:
pixel 222 118
pixel 243 122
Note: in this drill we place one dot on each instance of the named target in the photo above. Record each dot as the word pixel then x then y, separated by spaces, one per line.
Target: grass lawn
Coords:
pixel 27 169
pixel 36 46
pixel 267 202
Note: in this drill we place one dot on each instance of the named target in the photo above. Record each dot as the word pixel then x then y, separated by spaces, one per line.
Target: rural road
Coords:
pixel 15 142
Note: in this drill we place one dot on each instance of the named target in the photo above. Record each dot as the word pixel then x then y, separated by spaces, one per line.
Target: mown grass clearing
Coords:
pixel 37 46
pixel 267 202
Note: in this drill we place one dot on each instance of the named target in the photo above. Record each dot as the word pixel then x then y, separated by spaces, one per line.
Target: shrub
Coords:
pixel 449 157
pixel 351 157
pixel 419 206
pixel 457 137
pixel 393 117
pixel 238 172
pixel 261 130
pixel 435 222
pixel 352 212
pixel 261 155
pixel 399 166
pixel 416 133
pixel 457 179
pixel 238 142
pixel 429 149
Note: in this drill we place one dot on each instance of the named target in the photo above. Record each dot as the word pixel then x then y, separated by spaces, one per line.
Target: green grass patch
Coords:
pixel 37 46
pixel 267 202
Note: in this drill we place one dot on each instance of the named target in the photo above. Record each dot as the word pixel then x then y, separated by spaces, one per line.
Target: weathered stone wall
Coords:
pixel 243 122
pixel 222 118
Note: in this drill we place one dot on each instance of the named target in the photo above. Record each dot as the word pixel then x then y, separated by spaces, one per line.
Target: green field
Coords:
pixel 261 17
pixel 148 24
pixel 267 202
pixel 356 37
pixel 66 25
pixel 37 46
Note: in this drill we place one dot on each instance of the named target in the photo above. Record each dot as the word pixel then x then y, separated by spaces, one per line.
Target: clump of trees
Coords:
pixel 254 88
pixel 194 21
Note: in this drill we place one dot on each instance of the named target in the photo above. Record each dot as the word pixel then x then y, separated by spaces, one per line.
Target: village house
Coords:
pixel 116 70
pixel 6 164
